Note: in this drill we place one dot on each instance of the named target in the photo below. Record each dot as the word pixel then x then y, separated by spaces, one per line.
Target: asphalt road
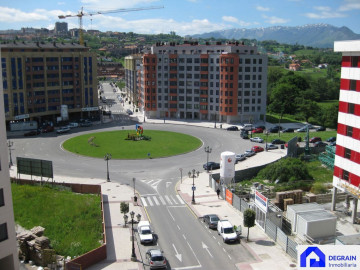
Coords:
pixel 186 242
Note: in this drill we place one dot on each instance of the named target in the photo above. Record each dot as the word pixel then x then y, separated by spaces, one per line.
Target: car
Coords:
pixel 155 259
pixel 247 127
pixel 244 135
pixel 73 125
pixel 257 148
pixel 232 128
pixel 333 143
pixel 287 130
pixel 275 129
pixel 226 230
pixel 331 139
pixel 301 129
pixel 145 232
pixel 286 145
pixel 129 112
pixel 315 139
pixel 211 165
pixel 278 141
pixel 47 129
pixel 85 123
pixel 257 130
pixel 32 133
pixel 63 130
pixel 249 153
pixel 321 129
pixel 257 139
pixel 272 146
pixel 240 157
pixel 262 127
pixel 211 220
pixel 320 144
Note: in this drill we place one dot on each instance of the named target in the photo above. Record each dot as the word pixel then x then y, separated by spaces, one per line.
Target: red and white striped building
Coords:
pixel 347 159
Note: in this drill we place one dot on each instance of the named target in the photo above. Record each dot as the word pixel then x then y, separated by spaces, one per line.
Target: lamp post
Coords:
pixel 9 145
pixel 138 216
pixel 193 174
pixel 208 151
pixel 126 218
pixel 267 134
pixel 107 157
pixel 134 184
pixel 181 174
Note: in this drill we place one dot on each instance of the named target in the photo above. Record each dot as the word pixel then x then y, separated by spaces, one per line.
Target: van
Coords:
pixel 226 231
pixel 247 127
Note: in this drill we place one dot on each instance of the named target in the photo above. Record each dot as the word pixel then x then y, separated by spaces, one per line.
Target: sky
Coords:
pixel 184 17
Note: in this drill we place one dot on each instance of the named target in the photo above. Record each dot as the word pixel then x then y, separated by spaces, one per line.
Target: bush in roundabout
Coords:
pixel 126 144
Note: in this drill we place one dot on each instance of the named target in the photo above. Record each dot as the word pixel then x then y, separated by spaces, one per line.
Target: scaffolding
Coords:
pixel 327 158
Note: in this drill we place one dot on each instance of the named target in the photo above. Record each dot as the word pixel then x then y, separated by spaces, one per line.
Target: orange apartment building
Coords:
pixel 212 82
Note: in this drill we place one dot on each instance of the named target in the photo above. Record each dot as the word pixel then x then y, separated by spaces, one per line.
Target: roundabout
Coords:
pixel 128 144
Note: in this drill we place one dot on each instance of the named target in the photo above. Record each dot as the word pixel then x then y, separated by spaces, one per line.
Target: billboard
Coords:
pixel 36 167
pixel 261 201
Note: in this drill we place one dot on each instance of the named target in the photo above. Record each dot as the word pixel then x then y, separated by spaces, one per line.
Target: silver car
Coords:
pixel 256 139
pixel 249 153
pixel 155 259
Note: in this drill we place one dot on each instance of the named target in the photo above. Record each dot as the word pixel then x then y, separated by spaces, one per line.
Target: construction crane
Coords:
pixel 81 13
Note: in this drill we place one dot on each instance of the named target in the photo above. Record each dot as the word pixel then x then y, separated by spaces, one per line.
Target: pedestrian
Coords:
pixel 218 193
pixel 135 200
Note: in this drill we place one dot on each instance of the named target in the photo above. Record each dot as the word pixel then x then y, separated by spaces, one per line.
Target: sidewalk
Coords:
pixel 268 255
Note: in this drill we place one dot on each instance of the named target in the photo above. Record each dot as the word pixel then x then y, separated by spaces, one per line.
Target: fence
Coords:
pixel 271 229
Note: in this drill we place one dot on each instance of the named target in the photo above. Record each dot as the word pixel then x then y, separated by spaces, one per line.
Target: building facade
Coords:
pixel 61 28
pixel 218 82
pixel 132 68
pixel 39 78
pixel 8 248
pixel 347 158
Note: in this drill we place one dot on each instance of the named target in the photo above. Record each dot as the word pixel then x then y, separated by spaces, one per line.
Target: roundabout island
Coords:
pixel 132 144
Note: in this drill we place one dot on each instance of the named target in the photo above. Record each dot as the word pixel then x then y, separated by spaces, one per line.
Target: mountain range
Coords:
pixel 314 35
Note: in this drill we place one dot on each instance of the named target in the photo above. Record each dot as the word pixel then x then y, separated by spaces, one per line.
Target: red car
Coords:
pixel 257 149
pixel 315 139
pixel 257 130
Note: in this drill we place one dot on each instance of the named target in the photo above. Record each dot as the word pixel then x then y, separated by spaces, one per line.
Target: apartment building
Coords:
pixel 8 249
pixel 39 78
pixel 214 82
pixel 132 67
pixel 347 157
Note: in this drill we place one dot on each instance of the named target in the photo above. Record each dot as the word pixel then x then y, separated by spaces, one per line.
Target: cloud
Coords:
pixel 274 20
pixel 98 5
pixel 15 15
pixel 325 12
pixel 230 19
pixel 238 22
pixel 350 5
pixel 260 8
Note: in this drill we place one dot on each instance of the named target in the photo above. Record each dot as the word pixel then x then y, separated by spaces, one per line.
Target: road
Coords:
pixel 186 242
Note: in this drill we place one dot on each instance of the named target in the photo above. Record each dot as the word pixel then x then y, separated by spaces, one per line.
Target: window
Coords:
pixel 3 232
pixel 345 175
pixel 349 131
pixel 2 200
pixel 351 108
pixel 354 61
pixel 353 85
pixel 347 153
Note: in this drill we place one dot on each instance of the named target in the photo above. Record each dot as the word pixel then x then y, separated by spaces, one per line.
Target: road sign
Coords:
pixel 193 188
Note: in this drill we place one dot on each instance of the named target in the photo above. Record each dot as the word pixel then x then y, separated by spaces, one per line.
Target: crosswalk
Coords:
pixel 157 200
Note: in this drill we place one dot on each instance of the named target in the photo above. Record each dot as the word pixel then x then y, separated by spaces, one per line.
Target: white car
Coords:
pixel 249 153
pixel 63 130
pixel 256 139
pixel 271 146
pixel 145 232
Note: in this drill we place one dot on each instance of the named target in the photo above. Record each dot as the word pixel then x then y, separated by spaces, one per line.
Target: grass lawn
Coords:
pixel 324 135
pixel 328 103
pixel 72 221
pixel 162 144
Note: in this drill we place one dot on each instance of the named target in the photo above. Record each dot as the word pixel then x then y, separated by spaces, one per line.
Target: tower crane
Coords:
pixel 81 13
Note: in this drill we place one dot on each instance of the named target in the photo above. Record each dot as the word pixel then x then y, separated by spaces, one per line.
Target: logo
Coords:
pixel 317 257
pixel 229 160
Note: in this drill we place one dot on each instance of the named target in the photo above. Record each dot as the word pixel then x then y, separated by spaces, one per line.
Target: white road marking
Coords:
pixel 156 200
pixel 168 200
pixel 150 201
pixel 143 201
pixel 162 200
pixel 180 200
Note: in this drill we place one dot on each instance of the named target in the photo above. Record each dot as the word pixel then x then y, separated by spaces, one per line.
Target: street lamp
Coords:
pixel 9 145
pixel 193 174
pixel 208 151
pixel 267 134
pixel 180 174
pixel 107 157
pixel 134 184
pixel 138 216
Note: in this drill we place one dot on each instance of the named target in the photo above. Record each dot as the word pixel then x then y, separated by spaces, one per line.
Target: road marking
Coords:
pixel 229 256
pixel 150 201
pixel 207 249
pixel 143 201
pixel 180 200
pixel 178 227
pixel 193 253
pixel 168 199
pixel 177 255
pixel 156 200
pixel 175 202
pixel 162 200
pixel 224 250
pixel 168 184
pixel 171 214
pixel 184 236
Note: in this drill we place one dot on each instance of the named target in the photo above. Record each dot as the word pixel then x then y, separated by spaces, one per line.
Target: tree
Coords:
pixel 307 108
pixel 249 220
pixel 124 208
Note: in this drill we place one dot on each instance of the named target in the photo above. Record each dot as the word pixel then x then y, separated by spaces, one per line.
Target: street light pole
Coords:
pixel 208 151
pixel 9 145
pixel 107 157
pixel 138 216
pixel 180 174
pixel 193 174
pixel 267 134
pixel 134 184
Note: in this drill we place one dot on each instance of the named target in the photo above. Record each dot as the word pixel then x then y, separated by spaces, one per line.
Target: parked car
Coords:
pixel 244 135
pixel 129 112
pixel 302 129
pixel 321 129
pixel 32 133
pixel 331 139
pixel 257 139
pixel 272 146
pixel 63 130
pixel 275 129
pixel 211 165
pixel 73 125
pixel 315 139
pixel 247 127
pixel 257 148
pixel 257 130
pixel 47 129
pixel 211 220
pixel 145 232
pixel 320 144
pixel 278 141
pixel 85 123
pixel 262 127
pixel 240 157
pixel 232 128
pixel 155 259
pixel 333 143
pixel 226 231
pixel 249 153
pixel 287 130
